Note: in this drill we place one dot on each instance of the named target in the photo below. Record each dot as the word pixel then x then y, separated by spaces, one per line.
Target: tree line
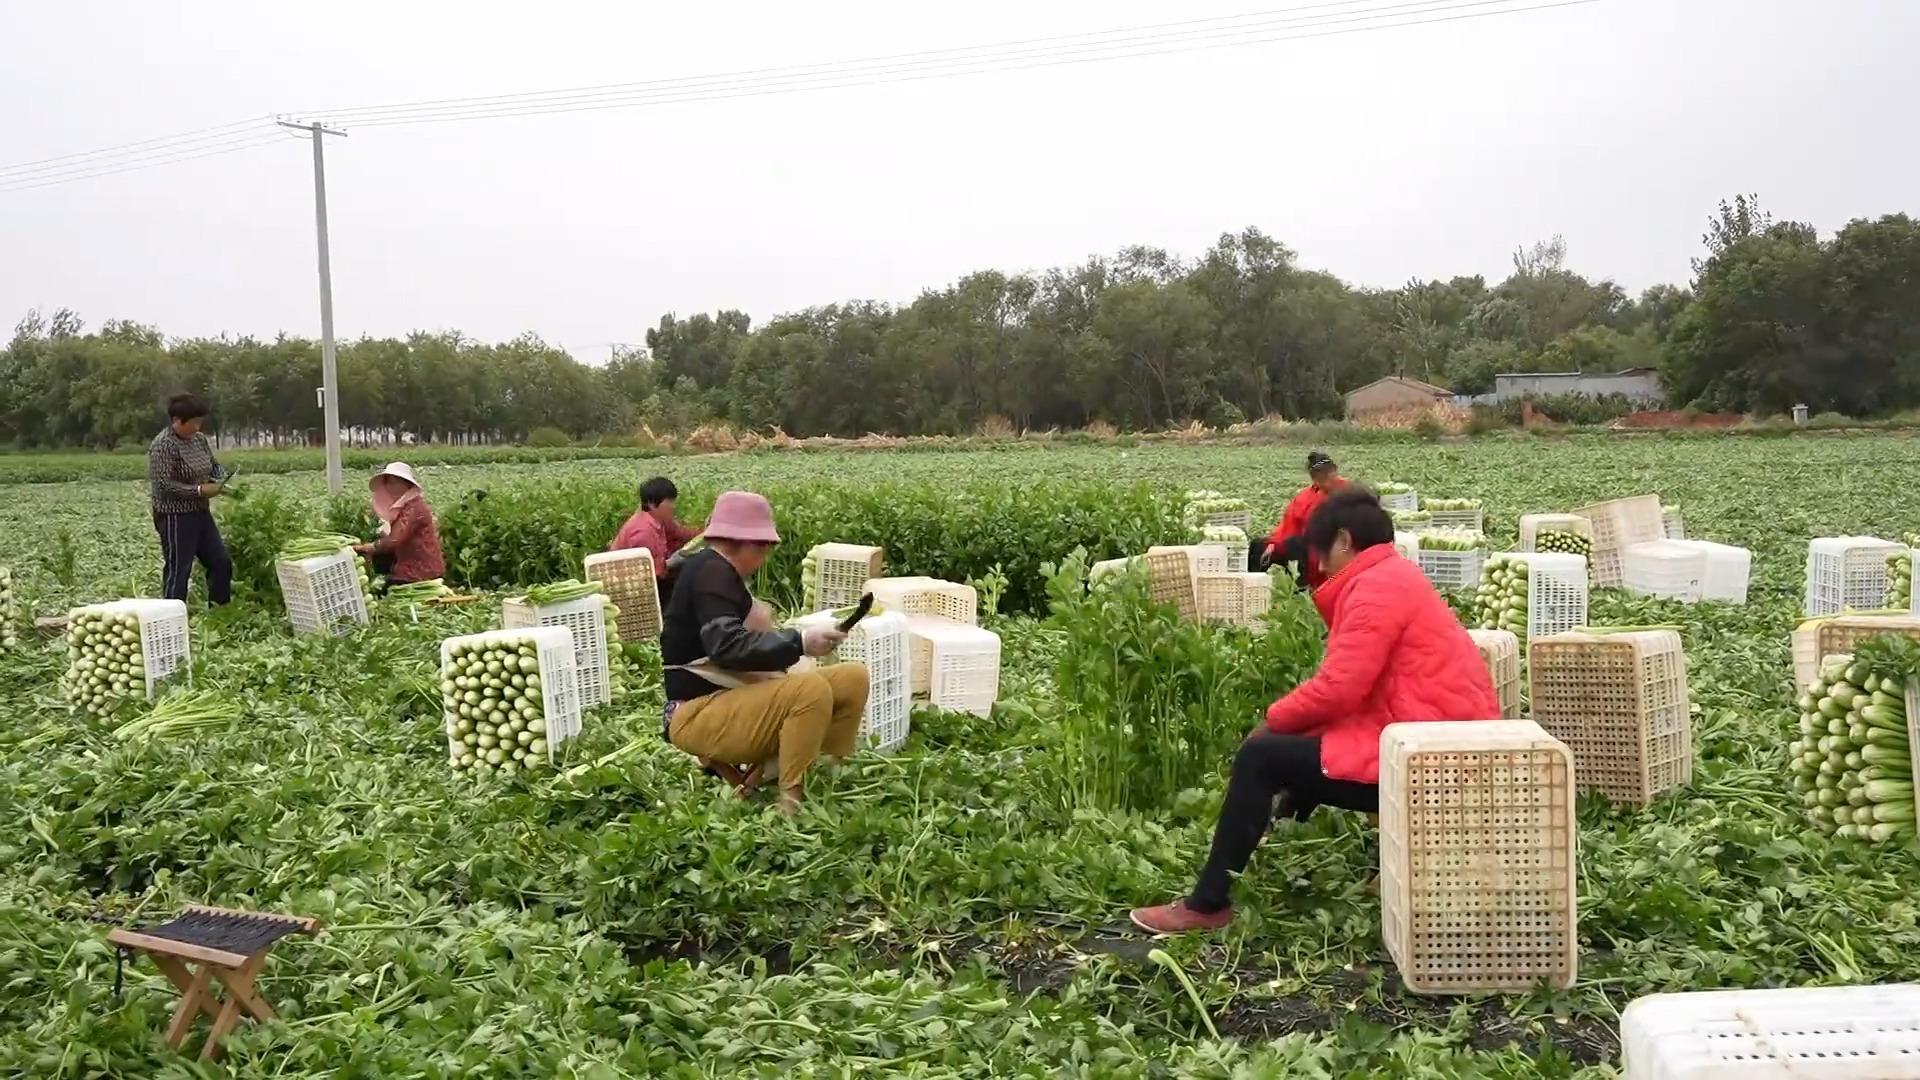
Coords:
pixel 1774 316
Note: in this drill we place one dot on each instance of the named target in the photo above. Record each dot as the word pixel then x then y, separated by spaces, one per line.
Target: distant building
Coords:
pixel 1641 385
pixel 1394 392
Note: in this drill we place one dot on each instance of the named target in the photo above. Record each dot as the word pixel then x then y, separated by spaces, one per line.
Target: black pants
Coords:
pixel 1292 556
pixel 185 538
pixel 1269 767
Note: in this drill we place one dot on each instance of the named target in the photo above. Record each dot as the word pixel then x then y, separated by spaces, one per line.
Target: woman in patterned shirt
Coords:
pixel 409 547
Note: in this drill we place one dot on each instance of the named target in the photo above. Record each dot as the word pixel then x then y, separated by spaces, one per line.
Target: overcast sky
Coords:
pixel 1415 152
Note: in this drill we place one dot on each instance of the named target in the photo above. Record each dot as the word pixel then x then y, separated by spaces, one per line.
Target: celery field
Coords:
pixel 956 909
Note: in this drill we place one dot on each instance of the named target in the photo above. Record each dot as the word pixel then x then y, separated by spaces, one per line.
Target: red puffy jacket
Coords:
pixel 1294 523
pixel 1395 653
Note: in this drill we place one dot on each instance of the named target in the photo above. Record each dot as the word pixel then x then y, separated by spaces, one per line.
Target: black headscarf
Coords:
pixel 1318 461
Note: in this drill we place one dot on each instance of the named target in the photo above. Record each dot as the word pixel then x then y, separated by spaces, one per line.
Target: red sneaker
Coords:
pixel 1178 918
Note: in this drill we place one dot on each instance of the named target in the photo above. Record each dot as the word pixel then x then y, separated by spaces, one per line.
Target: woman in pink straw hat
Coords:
pixel 730 701
pixel 409 546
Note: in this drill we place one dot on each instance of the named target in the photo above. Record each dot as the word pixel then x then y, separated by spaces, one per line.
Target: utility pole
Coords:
pixel 329 368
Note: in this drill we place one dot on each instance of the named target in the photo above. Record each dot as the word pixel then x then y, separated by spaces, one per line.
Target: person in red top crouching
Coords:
pixel 654 527
pixel 1288 544
pixel 408 549
pixel 1395 652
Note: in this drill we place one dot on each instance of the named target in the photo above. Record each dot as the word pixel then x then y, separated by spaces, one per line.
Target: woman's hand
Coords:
pixel 208 491
pixel 820 641
pixel 363 549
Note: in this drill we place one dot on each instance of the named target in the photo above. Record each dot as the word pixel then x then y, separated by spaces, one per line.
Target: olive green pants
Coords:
pixel 795 719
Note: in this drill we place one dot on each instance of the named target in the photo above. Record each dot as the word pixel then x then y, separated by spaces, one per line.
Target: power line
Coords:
pixel 957 65
pixel 158 144
pixel 245 142
pixel 690 90
pixel 533 96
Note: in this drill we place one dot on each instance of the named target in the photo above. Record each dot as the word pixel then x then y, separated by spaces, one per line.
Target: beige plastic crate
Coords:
pixel 1836 634
pixel 1233 599
pixel 1170 581
pixel 949 600
pixel 1477 856
pixel 1620 702
pixel 1207 558
pixel 1501 651
pixel 629 580
pixel 1616 524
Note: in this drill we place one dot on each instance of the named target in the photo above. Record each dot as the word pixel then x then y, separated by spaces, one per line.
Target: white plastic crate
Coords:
pixel 879 642
pixel 961 664
pixel 1452 569
pixel 1407 544
pixel 1109 567
pixel 1668 569
pixel 1729 569
pixel 1557 592
pixel 1207 558
pixel 323 594
pixel 1803 1033
pixel 1407 501
pixel 586 619
pixel 1847 572
pixel 165 648
pixel 954 602
pixel 559 681
pixel 1237 519
pixel 1471 520
pixel 1673 523
pixel 630 582
pixel 841 571
pixel 1532 525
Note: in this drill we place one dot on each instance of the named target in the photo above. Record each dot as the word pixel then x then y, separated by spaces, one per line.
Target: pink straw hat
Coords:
pixel 742 515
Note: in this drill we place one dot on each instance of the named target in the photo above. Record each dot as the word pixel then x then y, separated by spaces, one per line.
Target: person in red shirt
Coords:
pixel 1395 652
pixel 408 549
pixel 1288 542
pixel 654 527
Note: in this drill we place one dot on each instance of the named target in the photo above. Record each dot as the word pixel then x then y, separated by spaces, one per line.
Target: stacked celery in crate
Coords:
pixel 584 609
pixel 1852 764
pixel 1206 508
pixel 1900 575
pixel 9 612
pixel 510 697
pixel 120 652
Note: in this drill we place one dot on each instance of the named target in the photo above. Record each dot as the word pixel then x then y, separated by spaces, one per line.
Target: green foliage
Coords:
pixel 1151 705
pixel 255 530
pixel 547 437
pixel 520 534
pixel 1577 409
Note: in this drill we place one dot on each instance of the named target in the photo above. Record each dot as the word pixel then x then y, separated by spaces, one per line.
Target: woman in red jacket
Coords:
pixel 1395 653
pixel 1288 544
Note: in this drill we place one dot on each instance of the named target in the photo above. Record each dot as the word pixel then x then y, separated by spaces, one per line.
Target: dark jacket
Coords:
pixel 706 617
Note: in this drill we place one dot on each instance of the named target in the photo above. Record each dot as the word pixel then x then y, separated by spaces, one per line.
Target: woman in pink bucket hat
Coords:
pixel 408 549
pixel 730 700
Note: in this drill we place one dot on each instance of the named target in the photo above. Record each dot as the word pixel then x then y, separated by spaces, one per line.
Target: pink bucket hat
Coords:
pixel 742 515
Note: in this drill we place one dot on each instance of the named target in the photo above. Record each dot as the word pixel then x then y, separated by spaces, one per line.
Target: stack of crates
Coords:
pixel 1234 599
pixel 1206 558
pixel 841 571
pixel 927 601
pixel 1532 525
pixel 1847 572
pixel 1500 649
pixel 1474 520
pixel 630 582
pixel 1619 700
pixel 1617 525
pixel 586 619
pixel 880 642
pixel 323 594
pixel 1477 874
pixel 1799 1033
pixel 1406 500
